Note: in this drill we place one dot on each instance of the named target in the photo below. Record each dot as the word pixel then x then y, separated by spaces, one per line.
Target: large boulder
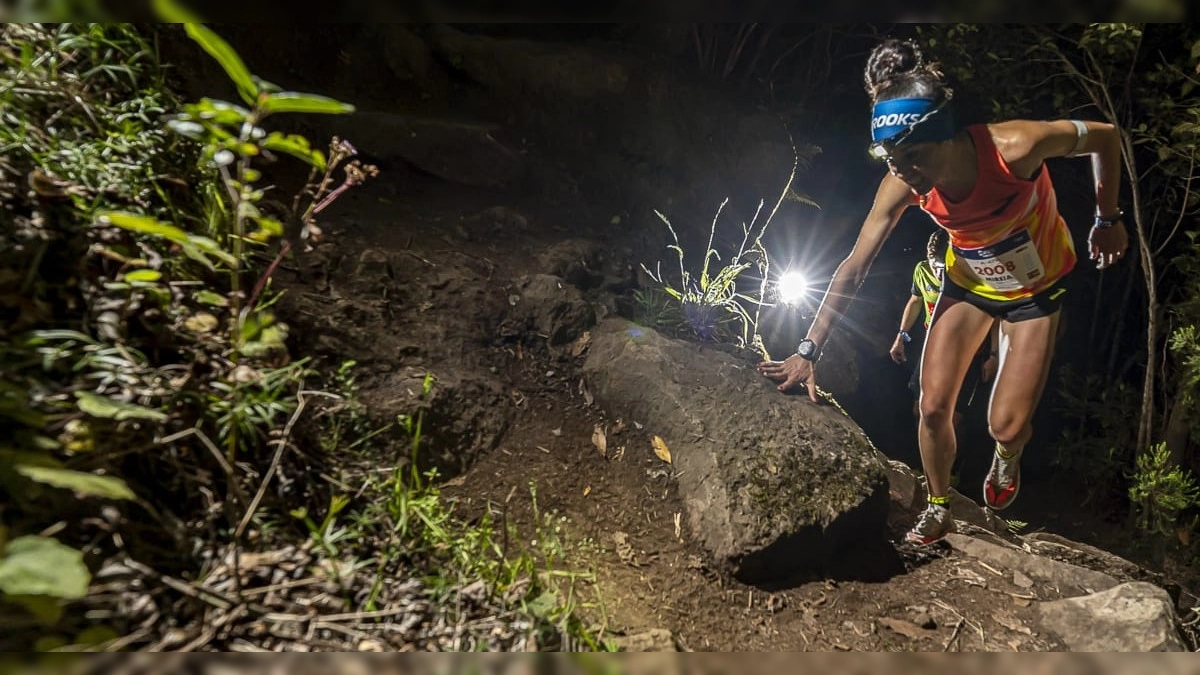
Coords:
pixel 1132 617
pixel 775 487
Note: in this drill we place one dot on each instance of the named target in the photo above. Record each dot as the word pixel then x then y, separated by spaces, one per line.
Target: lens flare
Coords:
pixel 792 287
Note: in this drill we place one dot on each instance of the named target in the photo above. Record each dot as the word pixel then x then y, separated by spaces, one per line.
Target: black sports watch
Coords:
pixel 808 350
pixel 1105 223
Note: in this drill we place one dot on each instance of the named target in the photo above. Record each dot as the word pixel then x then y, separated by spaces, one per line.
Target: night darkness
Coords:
pixel 810 77
pixel 399 328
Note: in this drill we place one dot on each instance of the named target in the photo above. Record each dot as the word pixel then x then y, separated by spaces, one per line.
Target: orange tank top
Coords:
pixel 1007 238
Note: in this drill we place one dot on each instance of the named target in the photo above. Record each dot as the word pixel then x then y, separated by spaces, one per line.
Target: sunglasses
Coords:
pixel 882 150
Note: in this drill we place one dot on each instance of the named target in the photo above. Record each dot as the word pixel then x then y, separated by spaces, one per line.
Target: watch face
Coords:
pixel 806 348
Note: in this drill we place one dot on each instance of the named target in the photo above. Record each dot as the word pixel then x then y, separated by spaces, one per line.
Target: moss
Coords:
pixel 800 490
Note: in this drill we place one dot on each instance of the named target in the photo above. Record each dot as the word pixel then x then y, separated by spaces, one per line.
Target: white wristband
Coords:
pixel 1081 132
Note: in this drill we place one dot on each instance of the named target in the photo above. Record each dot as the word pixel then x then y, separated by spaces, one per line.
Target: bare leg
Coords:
pixel 954 337
pixel 1026 349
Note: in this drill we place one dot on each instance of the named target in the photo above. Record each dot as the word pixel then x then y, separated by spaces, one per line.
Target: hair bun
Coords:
pixel 890 59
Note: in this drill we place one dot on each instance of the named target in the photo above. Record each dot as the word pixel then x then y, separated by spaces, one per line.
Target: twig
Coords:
pixel 350 616
pixel 1187 189
pixel 121 643
pixel 275 460
pixel 280 587
pixel 957 628
pixel 234 487
pixel 978 627
pixel 989 568
pixel 205 595
pixel 204 638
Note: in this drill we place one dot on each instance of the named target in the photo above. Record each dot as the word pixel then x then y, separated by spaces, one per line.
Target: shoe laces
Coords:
pixel 1004 470
pixel 934 516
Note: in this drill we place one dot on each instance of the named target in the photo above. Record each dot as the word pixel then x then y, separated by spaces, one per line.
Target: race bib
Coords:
pixel 1009 265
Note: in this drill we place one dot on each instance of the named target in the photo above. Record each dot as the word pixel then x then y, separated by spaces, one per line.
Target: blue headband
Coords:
pixel 889 118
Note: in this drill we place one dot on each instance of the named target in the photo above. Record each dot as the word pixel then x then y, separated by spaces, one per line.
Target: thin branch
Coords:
pixel 1187 191
pixel 280 445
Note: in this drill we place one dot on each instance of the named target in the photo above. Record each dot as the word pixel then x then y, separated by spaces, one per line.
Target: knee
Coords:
pixel 936 410
pixel 1008 428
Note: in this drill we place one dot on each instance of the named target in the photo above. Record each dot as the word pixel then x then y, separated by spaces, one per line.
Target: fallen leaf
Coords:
pixel 905 628
pixel 587 490
pixel 1021 601
pixel 581 343
pixel 244 374
pixel 660 449
pixel 201 322
pixel 587 395
pixel 600 440
pixel 618 427
pixel 624 549
pixel 678 526
pixel 1011 622
pixel 1021 581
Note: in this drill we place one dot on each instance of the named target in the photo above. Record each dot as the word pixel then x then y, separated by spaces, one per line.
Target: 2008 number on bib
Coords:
pixel 1010 265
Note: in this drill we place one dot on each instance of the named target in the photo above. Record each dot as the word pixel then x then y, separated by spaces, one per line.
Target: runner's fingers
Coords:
pixel 790 382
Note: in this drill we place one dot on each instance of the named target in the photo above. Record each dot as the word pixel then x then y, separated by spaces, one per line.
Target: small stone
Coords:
pixel 1022 581
pixel 925 621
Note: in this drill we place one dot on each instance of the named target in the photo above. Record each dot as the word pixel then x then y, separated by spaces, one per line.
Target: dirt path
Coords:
pixel 447 272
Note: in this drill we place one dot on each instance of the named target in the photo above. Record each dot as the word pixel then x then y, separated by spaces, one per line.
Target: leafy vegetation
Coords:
pixel 148 399
pixel 706 303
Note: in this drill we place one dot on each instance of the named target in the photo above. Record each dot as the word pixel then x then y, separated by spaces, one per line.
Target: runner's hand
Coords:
pixel 1107 245
pixel 988 368
pixel 897 350
pixel 792 371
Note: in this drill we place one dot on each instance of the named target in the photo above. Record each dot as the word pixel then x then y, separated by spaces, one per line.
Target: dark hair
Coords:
pixel 896 69
pixel 936 248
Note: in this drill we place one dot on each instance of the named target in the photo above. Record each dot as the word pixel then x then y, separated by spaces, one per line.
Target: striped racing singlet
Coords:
pixel 1007 238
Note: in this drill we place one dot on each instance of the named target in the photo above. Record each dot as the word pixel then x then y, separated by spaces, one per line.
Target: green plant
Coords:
pixel 415 530
pixel 128 336
pixel 656 308
pixel 1161 491
pixel 231 137
pixel 709 301
pixel 711 305
pixel 1016 526
pixel 324 534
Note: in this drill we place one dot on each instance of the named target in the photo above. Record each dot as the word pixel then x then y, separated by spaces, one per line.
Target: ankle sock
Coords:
pixel 1006 457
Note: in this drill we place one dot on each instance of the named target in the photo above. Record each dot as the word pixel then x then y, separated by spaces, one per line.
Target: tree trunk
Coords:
pixel 1145 256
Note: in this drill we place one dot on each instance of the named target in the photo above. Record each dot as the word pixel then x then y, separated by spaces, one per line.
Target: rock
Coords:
pixel 546 306
pixel 653 640
pixel 1060 548
pixel 1132 617
pixel 907 492
pixel 1064 578
pixel 578 261
pixel 774 486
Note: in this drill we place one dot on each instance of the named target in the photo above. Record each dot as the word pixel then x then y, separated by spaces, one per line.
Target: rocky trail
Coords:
pixel 500 252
